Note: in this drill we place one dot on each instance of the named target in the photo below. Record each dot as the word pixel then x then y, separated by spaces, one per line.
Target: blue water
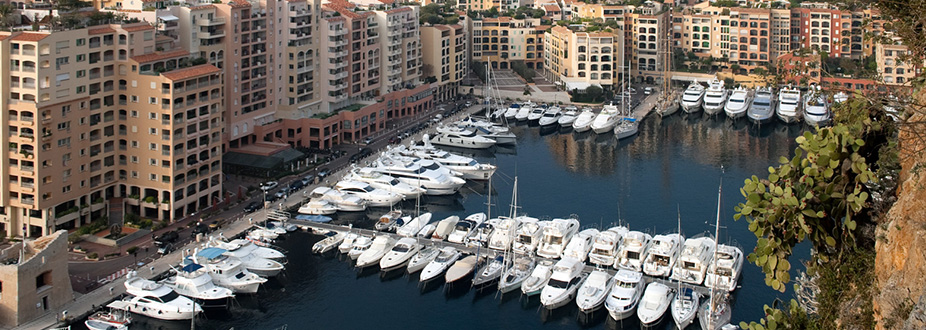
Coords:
pixel 673 166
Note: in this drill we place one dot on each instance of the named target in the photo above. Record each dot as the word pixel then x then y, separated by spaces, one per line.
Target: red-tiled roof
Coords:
pixel 137 27
pixel 551 7
pixel 239 4
pixel 3 36
pixel 102 30
pixel 202 7
pixel 160 56
pixel 190 72
pixel 29 36
pixel 398 10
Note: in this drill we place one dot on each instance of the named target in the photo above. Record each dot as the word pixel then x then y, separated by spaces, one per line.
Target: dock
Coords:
pixel 309 225
pixel 645 107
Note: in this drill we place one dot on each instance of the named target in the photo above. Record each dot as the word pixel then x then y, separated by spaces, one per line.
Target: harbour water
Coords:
pixel 672 166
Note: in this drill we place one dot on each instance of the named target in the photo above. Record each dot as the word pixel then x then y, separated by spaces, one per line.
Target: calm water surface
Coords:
pixel 673 166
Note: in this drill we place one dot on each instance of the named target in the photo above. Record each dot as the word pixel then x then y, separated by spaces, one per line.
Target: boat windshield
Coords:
pixel 168 297
pixel 394 182
pixel 401 248
pixel 550 239
pixel 815 103
pixel 432 166
pixel 625 285
pixel 554 283
pixel 240 275
pixel 761 102
pixel 444 257
pixel 463 226
pixel 789 101
pixel 737 100
pixel 692 93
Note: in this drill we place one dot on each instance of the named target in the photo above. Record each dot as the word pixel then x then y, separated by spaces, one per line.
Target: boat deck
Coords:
pixel 308 225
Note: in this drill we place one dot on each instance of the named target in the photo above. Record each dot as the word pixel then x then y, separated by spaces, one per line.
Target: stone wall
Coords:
pixel 22 297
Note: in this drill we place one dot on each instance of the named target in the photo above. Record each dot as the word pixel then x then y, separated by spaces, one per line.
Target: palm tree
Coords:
pixel 6 12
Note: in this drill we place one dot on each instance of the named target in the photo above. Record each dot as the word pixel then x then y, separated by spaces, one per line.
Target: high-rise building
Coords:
pixel 578 59
pixel 443 49
pixel 504 39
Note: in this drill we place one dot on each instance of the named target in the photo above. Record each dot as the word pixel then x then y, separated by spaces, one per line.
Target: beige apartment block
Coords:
pixel 505 39
pixel 577 59
pixel 34 278
pixel 400 47
pixel 893 67
pixel 301 89
pixel 444 54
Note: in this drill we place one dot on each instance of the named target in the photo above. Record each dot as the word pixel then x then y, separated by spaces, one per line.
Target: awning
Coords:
pixel 210 253
pixel 580 85
pixel 168 18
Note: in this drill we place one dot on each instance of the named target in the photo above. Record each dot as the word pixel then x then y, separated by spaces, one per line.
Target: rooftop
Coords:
pixel 190 72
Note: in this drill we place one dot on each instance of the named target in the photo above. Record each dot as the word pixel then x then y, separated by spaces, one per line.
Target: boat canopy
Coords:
pixel 211 253
pixel 313 218
pixel 191 268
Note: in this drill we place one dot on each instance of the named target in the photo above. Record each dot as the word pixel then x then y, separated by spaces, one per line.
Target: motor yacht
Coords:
pixel 594 290
pixel 385 182
pixel 512 110
pixel 569 116
pixel 389 221
pixel 762 109
pixel 330 242
pixel 193 281
pixel 606 120
pixel 262 235
pixel 632 250
pixel 694 260
pixel 516 273
pixel 343 201
pixel 738 103
pixel 465 227
pixel 381 245
pixel 258 265
pixel 626 128
pixel 462 138
pixel 154 300
pixel 422 258
pixel 489 275
pixel 112 320
pixel 461 269
pixel 318 207
pixel 445 227
pixel 400 254
pixel 725 269
pixel 538 279
pixel 692 97
pixel 373 196
pixel 445 258
pixel 412 227
pixel 625 294
pixel 480 236
pixel 468 167
pixel 604 246
pixel 360 245
pixel 501 135
pixel 715 313
pixel 550 117
pixel 662 254
pixel 243 246
pixel 817 108
pixel 715 97
pixel 536 113
pixel 656 300
pixel 412 173
pixel 580 244
pixel 426 231
pixel 584 120
pixel 226 272
pixel 789 105
pixel 563 283
pixel 840 97
pixel 528 235
pixel 505 231
pixel 555 237
pixel 523 112
pixel 348 242
pixel 684 307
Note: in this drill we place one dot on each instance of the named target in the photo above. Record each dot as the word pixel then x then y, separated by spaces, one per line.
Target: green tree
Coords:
pixel 594 93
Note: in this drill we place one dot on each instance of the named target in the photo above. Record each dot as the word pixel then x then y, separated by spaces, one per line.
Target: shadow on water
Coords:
pixel 391 275
pixel 367 271
pixel 430 286
pixel 458 289
pixel 448 203
pixel 549 129
pixel 557 315
pixel 593 319
pixel 628 323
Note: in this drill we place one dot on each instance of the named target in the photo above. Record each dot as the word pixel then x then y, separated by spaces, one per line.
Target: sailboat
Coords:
pixel 714 314
pixel 668 102
pixel 685 305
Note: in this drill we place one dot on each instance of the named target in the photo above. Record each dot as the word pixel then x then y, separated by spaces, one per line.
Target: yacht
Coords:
pixel 726 268
pixel 400 255
pixel 422 258
pixel 691 99
pixel 555 237
pixel 625 294
pixel 332 240
pixel 516 273
pixel 445 227
pixel 501 134
pixel 604 247
pixel 461 269
pixel 462 139
pixel 816 108
pixel 412 227
pixel 523 112
pixel 633 249
pixel 468 167
pixel 715 313
pixel 505 231
pixel 262 235
pixel 383 181
pixel 257 265
pixel 226 272
pixel 465 227
pixel 840 97
pixel 193 281
pixel 685 307
pixel 373 196
pixel 662 254
pixel 550 117
pixel 568 117
pixel 528 235
pixel 480 236
pixel 563 283
pixel 692 264
pixel 343 201
pixel 413 173
pixel 762 109
pixel 626 128
pixel 789 105
pixel 381 245
pixel 655 302
pixel 715 97
pixel 584 120
pixel 389 221
pixel 538 279
pixel 426 231
pixel 738 103
pixel 318 207
pixel 111 320
pixel 488 275
pixel 359 246
pixel 243 246
pixel 446 257
pixel 512 110
pixel 594 290
pixel 580 244
pixel 606 120
pixel 347 243
pixel 536 113
pixel 155 300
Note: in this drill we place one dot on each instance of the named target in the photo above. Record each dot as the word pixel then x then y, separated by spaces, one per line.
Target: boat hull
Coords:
pixel 711 111
pixel 604 128
pixel 463 144
pixel 689 107
pixel 788 119
pixel 735 114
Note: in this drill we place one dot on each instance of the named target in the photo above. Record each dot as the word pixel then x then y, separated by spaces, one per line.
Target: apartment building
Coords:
pixel 742 36
pixel 578 59
pixel 649 33
pixel 444 54
pixel 840 33
pixel 893 67
pixel 97 114
pixel 505 39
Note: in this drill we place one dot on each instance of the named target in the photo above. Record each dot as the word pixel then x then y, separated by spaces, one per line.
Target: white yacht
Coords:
pixel 400 255
pixel 461 269
pixel 692 264
pixel 227 272
pixel 789 105
pixel 389 221
pixel 725 269
pixel 762 109
pixel 568 117
pixel 625 294
pixel 330 242
pixel 243 246
pixel 528 235
pixel 373 196
pixel 538 279
pixel 580 244
pixel 555 237
pixel 817 108
pixel 381 245
pixel 684 307
pixel 550 117
pixel 360 245
pixel 489 274
pixel 193 281
pixel 594 290
pixel 738 103
pixel 501 134
pixel 461 138
pixel 512 110
pixel 412 173
pixel 112 320
pixel 468 167
pixel 318 207
pixel 662 254
pixel 515 274
pixel 155 300
pixel 656 300
pixel 583 121
pixel 626 128
pixel 446 257
pixel 715 97
pixel 536 113
pixel 479 237
pixel 465 227
pixel 692 98
pixel 383 181
pixel 563 283
pixel 412 227
pixel 505 231
pixel 633 249
pixel 348 242
pixel 253 262
pixel 604 247
pixel 606 120
pixel 523 112
pixel 445 227
pixel 343 201
pixel 422 258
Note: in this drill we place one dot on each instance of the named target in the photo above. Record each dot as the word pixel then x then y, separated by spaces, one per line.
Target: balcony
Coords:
pixel 210 22
pixel 213 35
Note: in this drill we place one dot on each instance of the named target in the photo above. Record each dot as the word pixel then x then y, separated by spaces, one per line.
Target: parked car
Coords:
pixel 647 91
pixel 165 249
pixel 322 173
pixel 253 206
pixel 395 140
pixel 166 238
pixel 307 180
pixel 280 194
pixel 368 140
pixel 469 103
pixel 269 185
pixel 296 185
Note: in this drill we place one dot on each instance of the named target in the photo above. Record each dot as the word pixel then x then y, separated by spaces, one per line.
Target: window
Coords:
pixel 81 57
pixel 152 177
pixel 135 145
pixel 135 174
pixel 43 281
pixel 134 113
pixel 81 42
pixel 152 146
pixel 153 131
pixel 134 98
pixel 152 162
pixel 152 115
pixel 152 100
pixel 81 73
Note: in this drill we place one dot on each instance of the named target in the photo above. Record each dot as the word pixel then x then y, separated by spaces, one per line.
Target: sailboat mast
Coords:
pixel 710 320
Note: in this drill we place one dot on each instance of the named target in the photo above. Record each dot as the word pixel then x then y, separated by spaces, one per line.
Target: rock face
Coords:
pixel 900 264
